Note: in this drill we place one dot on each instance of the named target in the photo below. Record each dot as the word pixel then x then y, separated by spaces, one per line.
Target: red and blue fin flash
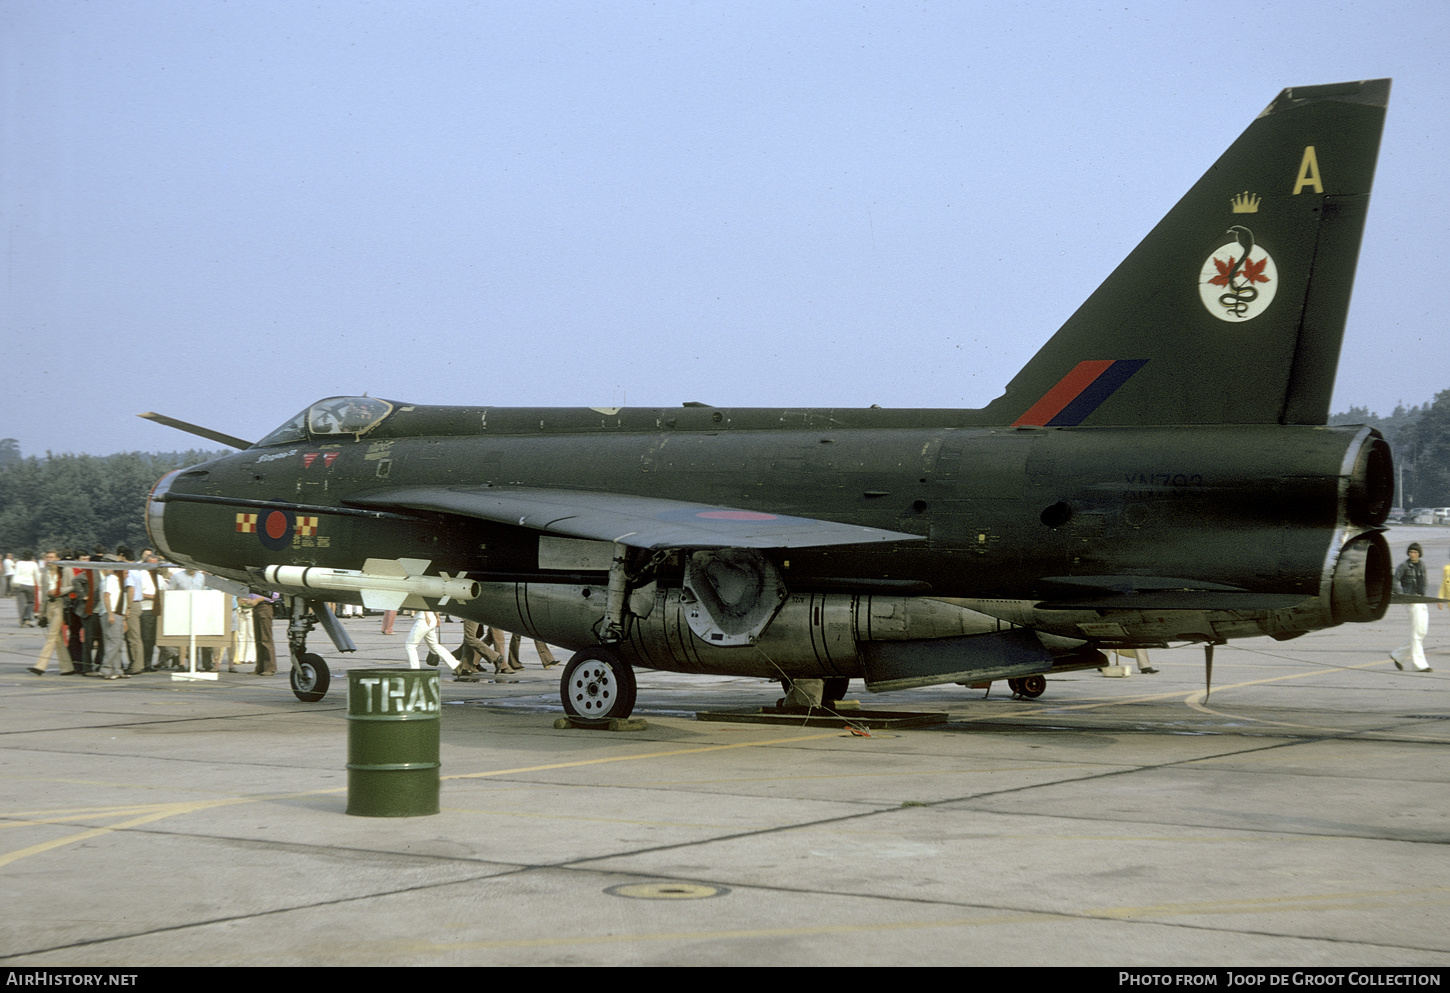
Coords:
pixel 1079 393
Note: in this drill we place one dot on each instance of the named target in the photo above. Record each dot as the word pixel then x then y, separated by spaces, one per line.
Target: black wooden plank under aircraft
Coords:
pixel 1159 472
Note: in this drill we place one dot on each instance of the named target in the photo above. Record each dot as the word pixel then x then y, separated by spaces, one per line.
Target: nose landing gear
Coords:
pixel 310 676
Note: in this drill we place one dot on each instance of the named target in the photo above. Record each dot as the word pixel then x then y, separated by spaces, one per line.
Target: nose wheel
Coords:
pixel 310 678
pixel 597 685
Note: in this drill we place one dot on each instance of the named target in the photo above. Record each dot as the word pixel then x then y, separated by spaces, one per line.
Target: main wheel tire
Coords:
pixel 834 690
pixel 1015 685
pixel 1032 687
pixel 597 685
pixel 310 678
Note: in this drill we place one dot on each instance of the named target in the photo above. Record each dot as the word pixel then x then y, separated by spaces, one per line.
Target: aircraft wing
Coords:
pixel 640 522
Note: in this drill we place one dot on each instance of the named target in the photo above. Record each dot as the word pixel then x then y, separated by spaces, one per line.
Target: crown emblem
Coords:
pixel 1246 203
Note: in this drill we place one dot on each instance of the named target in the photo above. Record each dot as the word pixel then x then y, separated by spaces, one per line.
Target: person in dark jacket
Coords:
pixel 1410 580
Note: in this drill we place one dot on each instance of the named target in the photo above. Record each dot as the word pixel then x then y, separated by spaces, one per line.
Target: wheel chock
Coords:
pixel 612 724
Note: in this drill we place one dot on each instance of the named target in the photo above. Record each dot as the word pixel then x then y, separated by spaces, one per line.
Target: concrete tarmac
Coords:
pixel 1299 816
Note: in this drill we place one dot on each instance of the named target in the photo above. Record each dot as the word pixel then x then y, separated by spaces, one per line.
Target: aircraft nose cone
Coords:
pixel 156 511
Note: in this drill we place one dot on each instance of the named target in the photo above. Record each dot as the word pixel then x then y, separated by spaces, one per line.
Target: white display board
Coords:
pixel 199 613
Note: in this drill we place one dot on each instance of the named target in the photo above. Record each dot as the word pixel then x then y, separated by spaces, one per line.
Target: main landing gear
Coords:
pixel 597 685
pixel 1030 687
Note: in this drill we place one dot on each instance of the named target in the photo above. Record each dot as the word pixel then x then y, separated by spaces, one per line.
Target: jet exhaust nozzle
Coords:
pixel 1360 589
pixel 1371 482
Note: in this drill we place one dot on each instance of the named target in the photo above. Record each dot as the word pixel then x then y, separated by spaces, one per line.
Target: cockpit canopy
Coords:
pixel 330 418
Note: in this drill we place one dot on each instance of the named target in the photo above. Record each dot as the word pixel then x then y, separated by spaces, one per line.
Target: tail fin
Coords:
pixel 1232 310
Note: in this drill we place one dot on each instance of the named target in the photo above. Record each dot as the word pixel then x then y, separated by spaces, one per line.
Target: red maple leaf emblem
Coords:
pixel 1251 271
pixel 1254 271
pixel 1223 270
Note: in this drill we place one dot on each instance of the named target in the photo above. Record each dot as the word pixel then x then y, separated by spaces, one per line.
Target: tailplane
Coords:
pixel 1232 310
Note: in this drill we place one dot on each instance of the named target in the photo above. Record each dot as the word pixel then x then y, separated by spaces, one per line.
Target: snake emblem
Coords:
pixel 1239 286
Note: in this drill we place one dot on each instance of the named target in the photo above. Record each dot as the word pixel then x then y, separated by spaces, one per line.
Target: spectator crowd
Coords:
pixel 102 620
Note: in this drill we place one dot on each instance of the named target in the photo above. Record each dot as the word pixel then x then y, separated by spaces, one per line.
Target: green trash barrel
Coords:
pixel 392 742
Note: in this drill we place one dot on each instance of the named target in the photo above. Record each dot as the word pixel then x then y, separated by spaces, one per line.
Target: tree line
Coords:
pixel 78 501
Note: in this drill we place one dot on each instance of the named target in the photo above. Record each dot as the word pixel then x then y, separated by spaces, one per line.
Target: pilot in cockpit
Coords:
pixel 356 416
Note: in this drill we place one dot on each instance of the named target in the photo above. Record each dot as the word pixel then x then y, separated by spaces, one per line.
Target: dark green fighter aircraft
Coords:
pixel 1160 472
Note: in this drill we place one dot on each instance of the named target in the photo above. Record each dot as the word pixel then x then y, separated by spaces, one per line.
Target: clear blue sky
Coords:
pixel 223 211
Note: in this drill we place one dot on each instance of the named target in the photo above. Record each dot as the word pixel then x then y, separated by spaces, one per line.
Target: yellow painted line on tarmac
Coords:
pixel 22 817
pixel 176 809
pixel 1270 904
pixel 1042 766
pixel 1196 701
pixel 1048 711
pixel 697 750
pixel 1145 914
pixel 405 946
pixel 1193 699
pixel 159 812
pixel 1133 838
pixel 171 810
pixel 532 815
pixel 104 783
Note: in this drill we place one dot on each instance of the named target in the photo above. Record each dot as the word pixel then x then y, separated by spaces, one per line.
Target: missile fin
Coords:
pixel 415 567
pixel 383 599
pixel 392 568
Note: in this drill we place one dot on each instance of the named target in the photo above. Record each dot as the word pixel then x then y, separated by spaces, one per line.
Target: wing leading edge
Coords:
pixel 639 522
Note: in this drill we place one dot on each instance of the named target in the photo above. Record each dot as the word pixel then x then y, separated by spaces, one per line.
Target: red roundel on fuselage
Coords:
pixel 276 525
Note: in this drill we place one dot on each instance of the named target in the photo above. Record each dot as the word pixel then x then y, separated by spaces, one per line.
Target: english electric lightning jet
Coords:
pixel 1160 472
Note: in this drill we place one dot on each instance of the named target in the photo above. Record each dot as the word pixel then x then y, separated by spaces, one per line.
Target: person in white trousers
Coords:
pixel 425 629
pixel 1410 580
